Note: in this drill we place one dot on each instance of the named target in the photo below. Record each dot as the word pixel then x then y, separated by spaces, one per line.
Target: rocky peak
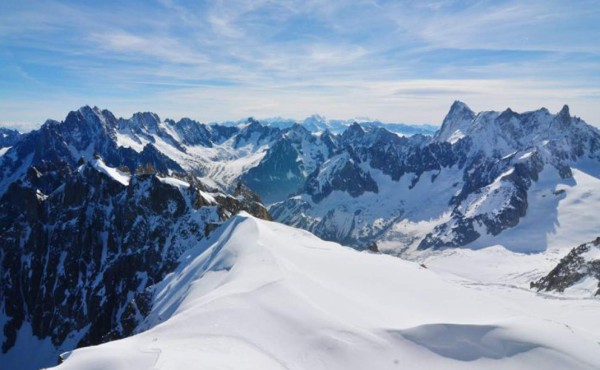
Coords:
pixel 145 120
pixel 192 132
pixel 250 201
pixel 315 123
pixel 8 137
pixel 297 132
pixel 87 116
pixel 564 112
pixel 507 114
pixel 252 126
pixel 355 127
pixel 251 120
pixel 87 125
pixel 456 122
pixel 185 122
pixel 563 118
pixel 459 111
pixel 353 133
pixel 256 133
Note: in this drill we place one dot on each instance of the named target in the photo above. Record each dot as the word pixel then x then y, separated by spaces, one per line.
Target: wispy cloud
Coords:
pixel 504 25
pixel 164 49
pixel 397 61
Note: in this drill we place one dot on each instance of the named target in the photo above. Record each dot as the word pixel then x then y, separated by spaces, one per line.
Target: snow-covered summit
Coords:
pixel 8 138
pixel 500 133
pixel 316 123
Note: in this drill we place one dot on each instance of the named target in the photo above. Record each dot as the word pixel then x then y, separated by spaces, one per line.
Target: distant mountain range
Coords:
pixel 317 123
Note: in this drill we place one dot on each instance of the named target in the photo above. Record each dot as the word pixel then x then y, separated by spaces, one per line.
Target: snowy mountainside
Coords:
pixel 108 235
pixel 84 134
pixel 473 181
pixel 317 305
pixel 87 225
pixel 289 162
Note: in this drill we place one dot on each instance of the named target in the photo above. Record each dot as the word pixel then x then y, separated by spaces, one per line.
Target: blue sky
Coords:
pixel 400 61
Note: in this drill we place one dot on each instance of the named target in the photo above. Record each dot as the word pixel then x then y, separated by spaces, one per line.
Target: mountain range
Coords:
pixel 98 212
pixel 318 123
pixel 467 183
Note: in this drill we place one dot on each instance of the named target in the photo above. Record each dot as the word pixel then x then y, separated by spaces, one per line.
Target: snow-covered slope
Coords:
pixel 267 296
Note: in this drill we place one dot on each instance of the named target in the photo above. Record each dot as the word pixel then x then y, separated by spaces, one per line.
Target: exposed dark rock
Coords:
pixel 373 247
pixel 107 243
pixel 279 174
pixel 345 175
pixel 572 268
pixel 8 137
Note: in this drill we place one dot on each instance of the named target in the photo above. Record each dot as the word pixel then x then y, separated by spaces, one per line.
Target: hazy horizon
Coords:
pixel 24 128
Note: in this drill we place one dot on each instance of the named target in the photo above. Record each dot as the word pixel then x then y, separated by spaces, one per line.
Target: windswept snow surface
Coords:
pixel 261 295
